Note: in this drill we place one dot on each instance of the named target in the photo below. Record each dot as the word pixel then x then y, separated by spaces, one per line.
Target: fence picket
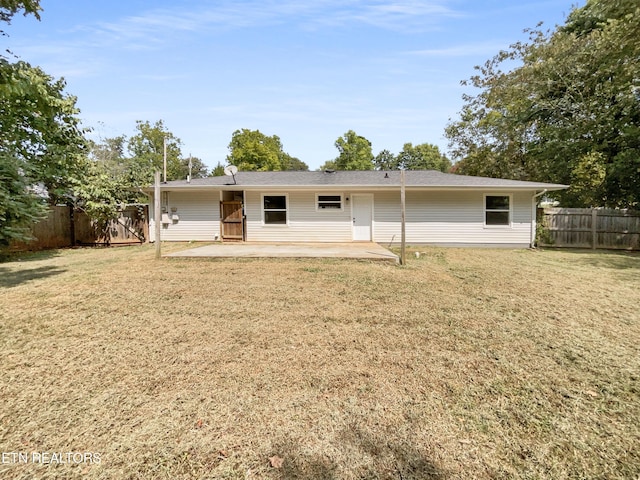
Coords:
pixel 590 228
pixel 59 231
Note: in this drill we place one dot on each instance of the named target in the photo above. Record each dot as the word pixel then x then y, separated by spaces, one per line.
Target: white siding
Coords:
pixel 436 217
pixel 305 223
pixel 199 214
pixel 450 218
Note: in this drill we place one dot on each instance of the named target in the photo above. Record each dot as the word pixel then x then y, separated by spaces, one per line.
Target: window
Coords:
pixel 275 209
pixel 329 202
pixel 497 210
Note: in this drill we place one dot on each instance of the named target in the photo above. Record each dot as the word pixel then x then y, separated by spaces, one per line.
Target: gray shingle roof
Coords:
pixel 372 178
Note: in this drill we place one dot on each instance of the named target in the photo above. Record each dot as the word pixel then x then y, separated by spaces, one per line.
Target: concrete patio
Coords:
pixel 364 251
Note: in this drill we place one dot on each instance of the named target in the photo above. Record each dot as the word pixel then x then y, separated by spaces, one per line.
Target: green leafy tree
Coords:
pixel 40 128
pixel 42 147
pixel 198 168
pixel 422 157
pixel 101 193
pixel 292 163
pixel 41 143
pixel 252 150
pixel 8 8
pixel 355 152
pixel 328 165
pixel 385 160
pixel 147 151
pixel 20 206
pixel 217 171
pixel 569 111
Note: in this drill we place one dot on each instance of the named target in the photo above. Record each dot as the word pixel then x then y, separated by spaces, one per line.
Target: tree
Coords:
pixel 569 114
pixel 355 152
pixel 42 147
pixel 294 164
pixel 252 150
pixel 39 126
pixel 41 143
pixel 217 171
pixel 385 160
pixel 328 165
pixel 198 168
pixel 20 206
pixel 422 157
pixel 147 152
pixel 8 8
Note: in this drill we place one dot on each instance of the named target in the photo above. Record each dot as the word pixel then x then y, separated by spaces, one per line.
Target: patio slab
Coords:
pixel 368 251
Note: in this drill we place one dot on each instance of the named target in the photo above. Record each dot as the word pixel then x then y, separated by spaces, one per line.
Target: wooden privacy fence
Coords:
pixel 590 228
pixel 66 227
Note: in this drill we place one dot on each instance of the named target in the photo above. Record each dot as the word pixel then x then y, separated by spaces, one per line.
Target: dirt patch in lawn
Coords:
pixel 466 363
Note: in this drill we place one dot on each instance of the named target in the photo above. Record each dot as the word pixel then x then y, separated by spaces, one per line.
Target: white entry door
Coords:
pixel 362 213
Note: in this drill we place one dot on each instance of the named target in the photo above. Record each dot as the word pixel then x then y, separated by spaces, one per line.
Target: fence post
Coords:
pixel 72 226
pixel 594 228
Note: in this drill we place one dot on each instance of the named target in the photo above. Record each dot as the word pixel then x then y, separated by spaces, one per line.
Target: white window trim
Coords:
pixel 275 194
pixel 484 210
pixel 335 194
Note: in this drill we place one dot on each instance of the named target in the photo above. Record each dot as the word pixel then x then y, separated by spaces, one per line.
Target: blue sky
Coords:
pixel 305 70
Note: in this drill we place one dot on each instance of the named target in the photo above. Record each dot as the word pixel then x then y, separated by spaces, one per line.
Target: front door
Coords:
pixel 362 213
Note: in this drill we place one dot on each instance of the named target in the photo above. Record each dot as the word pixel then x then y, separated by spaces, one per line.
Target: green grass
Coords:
pixel 465 363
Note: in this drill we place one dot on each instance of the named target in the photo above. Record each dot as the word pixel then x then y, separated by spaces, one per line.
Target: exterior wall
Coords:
pixel 305 223
pixel 450 218
pixel 199 214
pixel 436 217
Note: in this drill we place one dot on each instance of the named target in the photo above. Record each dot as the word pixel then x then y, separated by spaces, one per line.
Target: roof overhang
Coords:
pixel 380 188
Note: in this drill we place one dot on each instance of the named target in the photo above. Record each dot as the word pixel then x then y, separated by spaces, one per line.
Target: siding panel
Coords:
pixel 305 223
pixel 449 218
pixel 435 217
pixel 199 214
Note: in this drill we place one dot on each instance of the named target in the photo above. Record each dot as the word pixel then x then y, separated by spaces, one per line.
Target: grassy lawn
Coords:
pixel 466 363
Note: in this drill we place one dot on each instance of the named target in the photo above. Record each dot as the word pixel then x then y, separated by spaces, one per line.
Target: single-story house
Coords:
pixel 351 206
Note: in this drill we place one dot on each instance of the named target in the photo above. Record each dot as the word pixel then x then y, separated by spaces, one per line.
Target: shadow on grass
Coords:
pixel 10 278
pixel 30 256
pixel 391 459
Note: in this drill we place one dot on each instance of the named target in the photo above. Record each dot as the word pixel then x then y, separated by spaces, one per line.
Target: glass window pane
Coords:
pixel 275 202
pixel 276 217
pixel 497 218
pixel 497 202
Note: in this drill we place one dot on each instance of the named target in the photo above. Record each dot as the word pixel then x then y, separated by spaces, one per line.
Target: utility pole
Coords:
pixel 157 214
pixel 403 253
pixel 164 157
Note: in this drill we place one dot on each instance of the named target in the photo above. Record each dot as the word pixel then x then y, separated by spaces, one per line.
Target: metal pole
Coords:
pixel 157 214
pixel 403 254
pixel 164 158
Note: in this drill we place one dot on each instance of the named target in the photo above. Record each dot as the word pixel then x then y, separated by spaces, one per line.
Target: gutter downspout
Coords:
pixel 534 211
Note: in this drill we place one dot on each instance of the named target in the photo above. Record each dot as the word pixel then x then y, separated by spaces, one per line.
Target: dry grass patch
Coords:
pixel 463 364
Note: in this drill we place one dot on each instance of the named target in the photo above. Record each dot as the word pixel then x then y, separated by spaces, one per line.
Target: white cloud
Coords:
pixel 156 26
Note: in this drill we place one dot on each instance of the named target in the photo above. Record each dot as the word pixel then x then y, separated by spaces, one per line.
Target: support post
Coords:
pixel 594 228
pixel 157 214
pixel 403 255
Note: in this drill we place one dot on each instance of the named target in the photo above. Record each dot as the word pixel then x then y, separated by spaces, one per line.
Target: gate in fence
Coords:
pixel 66 227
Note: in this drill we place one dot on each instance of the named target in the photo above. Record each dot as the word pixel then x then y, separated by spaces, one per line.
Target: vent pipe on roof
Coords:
pixel 329 170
